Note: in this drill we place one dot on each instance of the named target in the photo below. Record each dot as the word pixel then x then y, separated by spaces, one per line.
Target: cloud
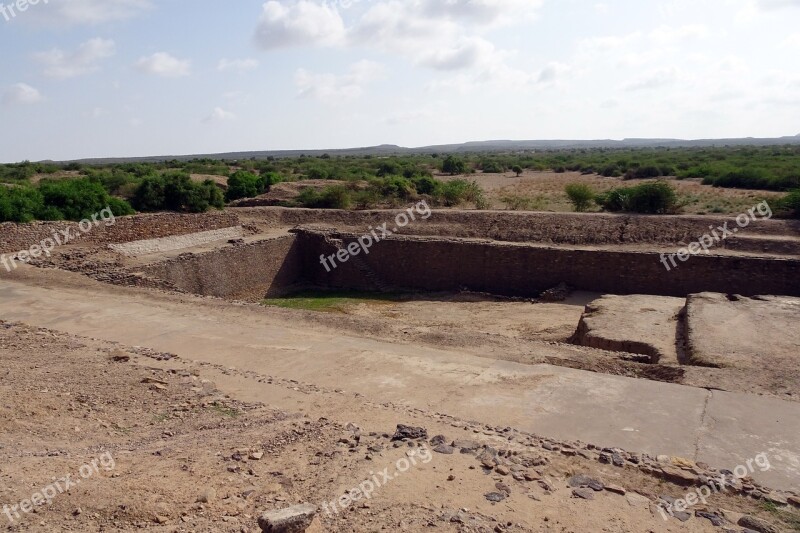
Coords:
pixel 467 53
pixel 673 35
pixel 60 64
pixel 480 12
pixel 89 12
pixel 552 72
pixel 239 65
pixel 301 23
pixel 654 79
pixel 770 5
pixel 163 64
pixel 335 88
pixel 219 115
pixel 21 93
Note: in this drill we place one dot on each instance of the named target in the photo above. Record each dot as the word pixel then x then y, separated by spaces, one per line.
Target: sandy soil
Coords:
pixel 176 453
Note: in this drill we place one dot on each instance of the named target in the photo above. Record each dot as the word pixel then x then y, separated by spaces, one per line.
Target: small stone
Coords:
pixel 409 432
pixel 794 500
pixel 445 449
pixel 715 520
pixel 294 519
pixel 586 494
pixel 580 480
pixel 682 516
pixel 451 477
pixel 464 444
pixel 207 495
pixel 616 489
pixel 438 439
pixel 776 498
pixel 757 524
pixel 678 475
pixel 256 456
pixel 502 470
pixel 495 496
pixel 596 486
pixel 502 487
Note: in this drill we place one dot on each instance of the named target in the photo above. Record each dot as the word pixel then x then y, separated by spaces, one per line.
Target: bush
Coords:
pixel 456 192
pixel 394 187
pixel 517 170
pixel 790 204
pixel 581 196
pixel 428 185
pixel 334 197
pixel 492 167
pixel 454 165
pixel 243 184
pixel 78 199
pixel 177 192
pixel 20 204
pixel 648 198
pixel 643 173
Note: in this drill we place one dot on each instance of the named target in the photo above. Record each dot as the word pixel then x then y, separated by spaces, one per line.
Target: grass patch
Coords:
pixel 224 410
pixel 330 301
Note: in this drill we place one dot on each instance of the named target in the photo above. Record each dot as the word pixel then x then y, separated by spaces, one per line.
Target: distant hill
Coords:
pixel 469 147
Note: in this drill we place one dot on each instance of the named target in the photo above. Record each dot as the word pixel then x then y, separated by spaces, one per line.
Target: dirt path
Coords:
pixel 718 428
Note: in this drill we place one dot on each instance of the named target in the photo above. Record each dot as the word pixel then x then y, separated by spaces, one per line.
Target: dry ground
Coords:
pixel 545 191
pixel 187 457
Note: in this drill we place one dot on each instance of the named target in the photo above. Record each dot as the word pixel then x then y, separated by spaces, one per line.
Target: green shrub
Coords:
pixel 454 165
pixel 21 204
pixel 492 166
pixel 394 187
pixel 428 185
pixel 334 197
pixel 456 192
pixel 517 170
pixel 243 184
pixel 648 198
pixel 581 196
pixel 789 205
pixel 77 199
pixel 177 192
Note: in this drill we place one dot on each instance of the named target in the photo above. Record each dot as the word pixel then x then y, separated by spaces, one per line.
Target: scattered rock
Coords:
pixel 586 494
pixel 715 520
pixel 616 489
pixel 581 480
pixel 438 439
pixel 409 432
pixel 207 495
pixel 757 524
pixel 678 475
pixel 682 515
pixel 294 519
pixel 445 449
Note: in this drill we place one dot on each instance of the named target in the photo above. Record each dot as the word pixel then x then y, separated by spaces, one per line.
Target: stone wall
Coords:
pixel 513 226
pixel 428 264
pixel 247 272
pixel 17 237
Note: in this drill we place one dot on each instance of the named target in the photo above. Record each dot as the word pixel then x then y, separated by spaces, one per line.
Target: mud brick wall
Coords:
pixel 246 272
pixel 511 226
pixel 420 263
pixel 17 237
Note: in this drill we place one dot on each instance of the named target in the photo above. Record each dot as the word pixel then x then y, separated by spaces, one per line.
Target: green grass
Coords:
pixel 330 301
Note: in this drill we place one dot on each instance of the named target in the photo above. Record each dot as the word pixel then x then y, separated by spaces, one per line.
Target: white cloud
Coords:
pixel 672 35
pixel 792 41
pixel 80 12
pixel 334 88
pixel 301 23
pixel 655 79
pixel 21 93
pixel 60 64
pixel 480 12
pixel 611 42
pixel 163 64
pixel 239 65
pixel 769 5
pixel 219 115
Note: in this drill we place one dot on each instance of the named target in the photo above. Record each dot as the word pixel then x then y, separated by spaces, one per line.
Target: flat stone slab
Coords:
pixel 638 324
pixel 736 331
pixel 176 242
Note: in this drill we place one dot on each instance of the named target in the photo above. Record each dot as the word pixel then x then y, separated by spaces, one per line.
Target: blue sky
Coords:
pixel 98 78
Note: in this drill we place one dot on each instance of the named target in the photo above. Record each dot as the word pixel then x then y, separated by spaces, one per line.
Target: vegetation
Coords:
pixel 361 182
pixel 243 184
pixel 650 198
pixel 790 204
pixel 581 196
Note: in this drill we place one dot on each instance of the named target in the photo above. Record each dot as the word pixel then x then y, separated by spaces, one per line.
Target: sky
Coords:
pixel 122 78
